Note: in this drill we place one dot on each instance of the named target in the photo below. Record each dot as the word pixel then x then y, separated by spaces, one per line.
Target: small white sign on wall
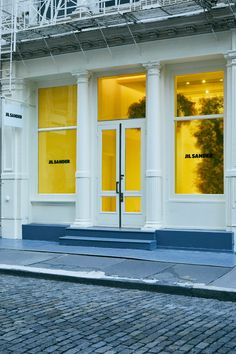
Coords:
pixel 13 114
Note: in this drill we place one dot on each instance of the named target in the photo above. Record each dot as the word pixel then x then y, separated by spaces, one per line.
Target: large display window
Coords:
pixel 57 116
pixel 199 134
pixel 121 97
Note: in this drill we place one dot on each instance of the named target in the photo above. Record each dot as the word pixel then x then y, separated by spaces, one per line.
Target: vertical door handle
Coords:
pixel 117 188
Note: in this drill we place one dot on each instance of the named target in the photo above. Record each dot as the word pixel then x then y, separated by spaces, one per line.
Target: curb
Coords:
pixel 221 294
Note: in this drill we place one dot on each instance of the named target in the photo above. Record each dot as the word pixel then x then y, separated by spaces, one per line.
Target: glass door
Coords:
pixel 121 179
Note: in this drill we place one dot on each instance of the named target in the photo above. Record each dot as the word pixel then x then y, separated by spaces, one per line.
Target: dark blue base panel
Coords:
pixel 198 240
pixel 43 232
pixel 203 240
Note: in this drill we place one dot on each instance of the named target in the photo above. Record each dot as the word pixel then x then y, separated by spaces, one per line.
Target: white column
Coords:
pixel 153 148
pixel 230 144
pixel 83 169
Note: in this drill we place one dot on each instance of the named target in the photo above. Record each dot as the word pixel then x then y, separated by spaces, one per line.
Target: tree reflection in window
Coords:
pixel 137 109
pixel 210 137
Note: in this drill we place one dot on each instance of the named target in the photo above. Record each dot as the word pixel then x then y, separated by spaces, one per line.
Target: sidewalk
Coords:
pixel 204 274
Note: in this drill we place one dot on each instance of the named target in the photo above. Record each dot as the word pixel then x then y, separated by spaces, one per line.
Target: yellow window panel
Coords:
pixel 133 159
pixel 199 159
pixel 108 160
pixel 109 204
pixel 57 162
pixel 121 97
pixel 132 204
pixel 57 106
pixel 200 94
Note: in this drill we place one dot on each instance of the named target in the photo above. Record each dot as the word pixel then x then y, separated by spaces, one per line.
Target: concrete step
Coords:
pixel 99 232
pixel 107 242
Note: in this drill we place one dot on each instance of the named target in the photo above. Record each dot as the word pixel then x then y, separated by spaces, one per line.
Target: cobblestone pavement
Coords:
pixel 44 316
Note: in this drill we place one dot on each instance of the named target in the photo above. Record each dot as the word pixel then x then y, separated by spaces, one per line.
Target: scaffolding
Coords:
pixel 25 21
pixel 8 25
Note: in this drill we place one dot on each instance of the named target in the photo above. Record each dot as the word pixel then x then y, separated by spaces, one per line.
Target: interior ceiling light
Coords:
pixel 203 81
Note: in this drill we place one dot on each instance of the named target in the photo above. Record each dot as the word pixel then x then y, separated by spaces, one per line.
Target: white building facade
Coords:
pixel 135 136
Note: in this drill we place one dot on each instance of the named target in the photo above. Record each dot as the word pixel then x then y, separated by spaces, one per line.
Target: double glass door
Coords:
pixel 121 179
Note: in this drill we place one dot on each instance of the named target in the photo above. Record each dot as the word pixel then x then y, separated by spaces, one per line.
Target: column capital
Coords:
pixel 231 58
pixel 82 76
pixel 153 68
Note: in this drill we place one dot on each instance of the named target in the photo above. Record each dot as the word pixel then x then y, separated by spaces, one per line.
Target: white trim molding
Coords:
pixel 230 145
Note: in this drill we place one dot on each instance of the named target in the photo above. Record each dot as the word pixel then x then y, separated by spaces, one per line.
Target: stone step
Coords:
pixel 117 233
pixel 107 242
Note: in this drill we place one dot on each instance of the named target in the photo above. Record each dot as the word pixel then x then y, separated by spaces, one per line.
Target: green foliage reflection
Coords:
pixel 137 109
pixel 210 138
pixel 185 107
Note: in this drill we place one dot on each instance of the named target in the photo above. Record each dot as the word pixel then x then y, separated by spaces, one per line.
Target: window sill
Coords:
pixel 57 198
pixel 196 198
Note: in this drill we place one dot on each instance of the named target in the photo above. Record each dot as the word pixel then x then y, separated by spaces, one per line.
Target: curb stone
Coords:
pixel 208 292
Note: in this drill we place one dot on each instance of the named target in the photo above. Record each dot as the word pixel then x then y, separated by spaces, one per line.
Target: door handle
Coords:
pixel 117 188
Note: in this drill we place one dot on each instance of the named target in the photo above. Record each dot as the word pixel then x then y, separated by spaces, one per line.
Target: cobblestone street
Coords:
pixel 42 316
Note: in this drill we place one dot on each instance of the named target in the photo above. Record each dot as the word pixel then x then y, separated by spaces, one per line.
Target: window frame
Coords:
pixel 194 118
pixel 114 74
pixel 37 197
pixel 172 71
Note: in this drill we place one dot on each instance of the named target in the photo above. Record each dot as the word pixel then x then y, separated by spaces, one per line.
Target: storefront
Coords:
pixel 142 140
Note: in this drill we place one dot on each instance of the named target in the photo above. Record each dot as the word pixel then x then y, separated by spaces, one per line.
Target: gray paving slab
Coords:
pixel 78 261
pixel 136 269
pixel 159 255
pixel 191 273
pixel 226 281
pixel 86 261
pixel 15 257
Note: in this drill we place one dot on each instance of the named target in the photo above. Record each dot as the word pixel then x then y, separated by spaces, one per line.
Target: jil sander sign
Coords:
pixel 13 114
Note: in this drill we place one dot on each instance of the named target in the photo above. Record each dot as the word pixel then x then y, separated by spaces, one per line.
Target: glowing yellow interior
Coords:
pixel 132 204
pixel 108 160
pixel 133 159
pixel 57 161
pixel 196 87
pixel 57 149
pixel 57 106
pixel 116 94
pixel 108 204
pixel 199 143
